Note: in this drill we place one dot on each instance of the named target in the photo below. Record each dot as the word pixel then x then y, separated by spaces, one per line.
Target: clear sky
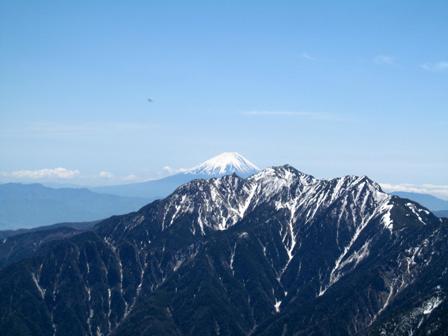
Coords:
pixel 331 87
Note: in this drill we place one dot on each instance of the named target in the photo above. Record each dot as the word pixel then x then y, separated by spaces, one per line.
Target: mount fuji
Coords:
pixel 223 164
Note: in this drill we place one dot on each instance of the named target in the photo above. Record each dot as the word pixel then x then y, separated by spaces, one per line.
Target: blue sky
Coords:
pixel 333 88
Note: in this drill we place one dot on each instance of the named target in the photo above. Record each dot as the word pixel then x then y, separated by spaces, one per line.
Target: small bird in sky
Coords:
pixel 150 100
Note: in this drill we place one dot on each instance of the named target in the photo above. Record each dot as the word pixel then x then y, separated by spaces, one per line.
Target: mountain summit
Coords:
pixel 225 164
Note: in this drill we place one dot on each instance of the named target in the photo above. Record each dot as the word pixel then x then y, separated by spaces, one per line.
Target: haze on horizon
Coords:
pixel 104 93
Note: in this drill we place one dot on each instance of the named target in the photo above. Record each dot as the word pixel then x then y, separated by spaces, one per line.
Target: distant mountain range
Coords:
pixel 32 205
pixel 278 253
pixel 429 201
pixel 442 213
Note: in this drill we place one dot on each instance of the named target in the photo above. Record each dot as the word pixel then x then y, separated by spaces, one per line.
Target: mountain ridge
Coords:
pixel 266 255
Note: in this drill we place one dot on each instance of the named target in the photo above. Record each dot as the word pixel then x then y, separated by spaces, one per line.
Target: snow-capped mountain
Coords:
pixel 220 165
pixel 278 253
pixel 225 164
